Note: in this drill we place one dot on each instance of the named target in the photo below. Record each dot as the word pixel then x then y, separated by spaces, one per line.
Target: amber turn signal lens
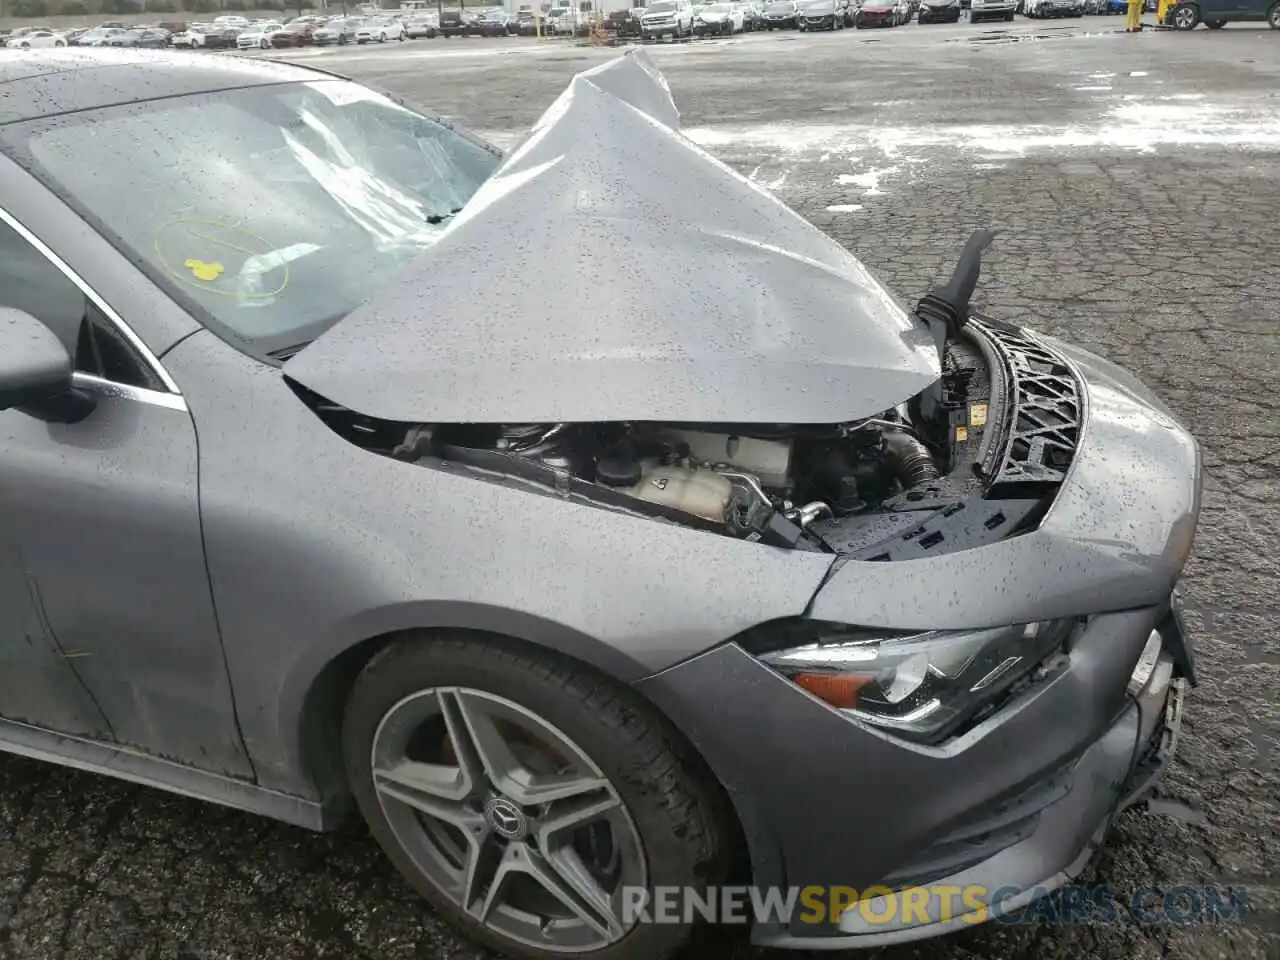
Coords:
pixel 838 689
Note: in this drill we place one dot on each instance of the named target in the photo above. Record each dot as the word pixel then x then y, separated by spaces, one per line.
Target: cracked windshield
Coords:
pixel 272 210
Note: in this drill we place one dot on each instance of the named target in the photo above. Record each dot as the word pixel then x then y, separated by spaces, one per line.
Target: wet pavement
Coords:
pixel 1137 184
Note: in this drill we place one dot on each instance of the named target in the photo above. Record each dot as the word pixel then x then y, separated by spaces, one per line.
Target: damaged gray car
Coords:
pixel 747 571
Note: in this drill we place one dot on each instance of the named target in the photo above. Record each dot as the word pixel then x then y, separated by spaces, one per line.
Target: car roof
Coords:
pixel 46 83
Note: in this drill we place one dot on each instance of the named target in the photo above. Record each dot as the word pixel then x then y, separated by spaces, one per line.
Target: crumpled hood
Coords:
pixel 613 270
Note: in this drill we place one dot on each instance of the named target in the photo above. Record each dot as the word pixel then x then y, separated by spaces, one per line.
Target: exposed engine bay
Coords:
pixel 973 458
pixel 756 482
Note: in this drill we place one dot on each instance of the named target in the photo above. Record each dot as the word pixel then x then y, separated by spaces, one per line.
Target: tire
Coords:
pixel 1215 24
pixel 1273 16
pixel 664 823
pixel 1186 16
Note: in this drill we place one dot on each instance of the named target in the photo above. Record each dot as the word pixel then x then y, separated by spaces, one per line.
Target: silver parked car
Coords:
pixel 570 596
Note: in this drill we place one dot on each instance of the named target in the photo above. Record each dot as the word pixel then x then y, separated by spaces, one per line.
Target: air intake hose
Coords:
pixel 910 458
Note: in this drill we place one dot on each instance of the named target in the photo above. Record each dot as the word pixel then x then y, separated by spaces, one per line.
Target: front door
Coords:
pixel 107 625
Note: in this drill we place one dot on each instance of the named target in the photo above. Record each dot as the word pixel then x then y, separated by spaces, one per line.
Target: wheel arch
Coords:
pixel 312 698
pixel 318 722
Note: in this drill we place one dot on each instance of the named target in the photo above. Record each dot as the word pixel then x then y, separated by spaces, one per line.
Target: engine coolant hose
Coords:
pixel 911 459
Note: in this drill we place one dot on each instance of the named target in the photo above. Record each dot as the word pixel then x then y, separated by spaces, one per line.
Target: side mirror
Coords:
pixel 35 371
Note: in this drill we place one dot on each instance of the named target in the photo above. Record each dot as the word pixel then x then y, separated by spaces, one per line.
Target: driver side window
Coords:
pixel 30 282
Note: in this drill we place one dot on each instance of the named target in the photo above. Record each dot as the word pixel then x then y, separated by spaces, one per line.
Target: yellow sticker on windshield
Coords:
pixel 208 272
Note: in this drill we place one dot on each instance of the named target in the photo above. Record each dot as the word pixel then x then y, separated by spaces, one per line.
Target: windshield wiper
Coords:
pixel 435 218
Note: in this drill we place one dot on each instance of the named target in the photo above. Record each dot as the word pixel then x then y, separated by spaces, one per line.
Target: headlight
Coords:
pixel 922 685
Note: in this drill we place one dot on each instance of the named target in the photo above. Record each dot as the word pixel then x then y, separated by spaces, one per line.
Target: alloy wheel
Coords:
pixel 1185 18
pixel 507 817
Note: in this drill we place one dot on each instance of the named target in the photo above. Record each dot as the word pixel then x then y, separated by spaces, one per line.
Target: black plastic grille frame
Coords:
pixel 1044 426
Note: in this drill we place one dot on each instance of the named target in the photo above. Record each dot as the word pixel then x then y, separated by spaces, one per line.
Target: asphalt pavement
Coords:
pixel 1136 182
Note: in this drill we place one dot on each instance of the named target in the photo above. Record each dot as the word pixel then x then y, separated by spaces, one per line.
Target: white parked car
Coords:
pixel 189 39
pixel 667 18
pixel 37 39
pixel 422 25
pixel 719 18
pixel 258 35
pixel 380 30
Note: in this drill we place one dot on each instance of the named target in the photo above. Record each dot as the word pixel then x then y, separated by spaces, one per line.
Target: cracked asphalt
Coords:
pixel 1137 184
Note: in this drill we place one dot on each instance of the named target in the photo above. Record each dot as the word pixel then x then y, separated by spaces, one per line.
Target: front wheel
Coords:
pixel 1186 16
pixel 1273 16
pixel 522 794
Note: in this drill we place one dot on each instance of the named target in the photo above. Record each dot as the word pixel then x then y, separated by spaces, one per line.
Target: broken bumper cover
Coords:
pixel 1006 812
pixel 1015 806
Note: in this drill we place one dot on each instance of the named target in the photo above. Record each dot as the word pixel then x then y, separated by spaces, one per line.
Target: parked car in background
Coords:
pixel 258 35
pixel 753 14
pixel 824 15
pixel 560 21
pixel 95 37
pixel 149 37
pixel 36 40
pixel 1216 14
pixel 882 13
pixel 297 34
pixel 781 15
pixel 380 30
pixel 190 39
pixel 494 23
pixel 625 24
pixel 718 19
pixel 939 11
pixel 220 36
pixel 667 18
pixel 340 32
pixel 991 10
pixel 454 23
pixel 421 25
pixel 1047 9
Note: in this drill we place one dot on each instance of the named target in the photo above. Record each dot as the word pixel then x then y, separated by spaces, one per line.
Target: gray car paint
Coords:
pixel 723 304
pixel 313 549
pixel 1116 536
pixel 314 545
pixel 833 830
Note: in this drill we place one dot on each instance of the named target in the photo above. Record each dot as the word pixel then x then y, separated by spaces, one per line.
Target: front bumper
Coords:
pixel 1014 806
